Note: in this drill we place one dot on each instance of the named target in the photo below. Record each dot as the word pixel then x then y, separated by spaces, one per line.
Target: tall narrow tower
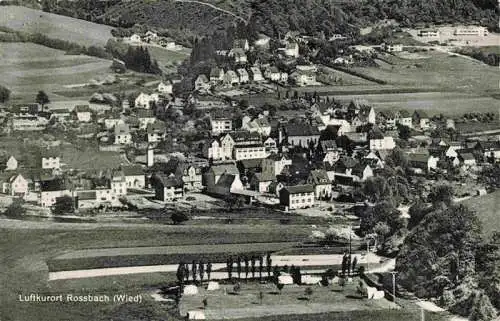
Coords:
pixel 150 156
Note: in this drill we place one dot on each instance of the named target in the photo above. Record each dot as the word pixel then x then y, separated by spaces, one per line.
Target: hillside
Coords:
pixel 488 210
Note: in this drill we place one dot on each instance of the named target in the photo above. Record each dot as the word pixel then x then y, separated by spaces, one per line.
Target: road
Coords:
pixel 302 261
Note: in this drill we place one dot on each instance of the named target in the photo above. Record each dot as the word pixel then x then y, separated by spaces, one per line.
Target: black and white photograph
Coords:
pixel 250 160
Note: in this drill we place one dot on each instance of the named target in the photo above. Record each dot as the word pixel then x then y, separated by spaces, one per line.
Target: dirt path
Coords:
pixel 213 7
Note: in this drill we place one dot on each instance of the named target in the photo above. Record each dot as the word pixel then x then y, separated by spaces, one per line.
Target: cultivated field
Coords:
pixel 54 26
pixel 26 68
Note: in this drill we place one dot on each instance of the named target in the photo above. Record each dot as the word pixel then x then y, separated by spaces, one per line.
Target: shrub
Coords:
pixel 178 217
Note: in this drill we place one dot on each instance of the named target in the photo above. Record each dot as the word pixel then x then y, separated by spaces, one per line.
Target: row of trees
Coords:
pixel 135 58
pixel 248 264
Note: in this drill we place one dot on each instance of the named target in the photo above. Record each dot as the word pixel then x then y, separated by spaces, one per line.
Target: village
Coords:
pixel 275 157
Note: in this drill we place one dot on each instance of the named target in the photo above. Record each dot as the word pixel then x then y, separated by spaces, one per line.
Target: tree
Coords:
pixel 269 263
pixel 441 193
pixel 344 264
pixel 280 286
pixel 237 288
pixel 261 266
pixel 246 267
pixel 194 270
pixel 482 309
pixel 238 266
pixel 209 270
pixel 42 98
pixel 404 132
pixel 229 265
pixel 201 269
pixel 308 291
pixel 4 94
pixel 178 217
pixel 354 263
pixel 252 263
pixel 181 275
pixel 15 209
pixel 64 205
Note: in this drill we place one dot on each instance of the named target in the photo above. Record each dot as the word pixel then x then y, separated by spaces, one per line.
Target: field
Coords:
pixel 26 246
pixel 488 209
pixel 26 68
pixel 440 71
pixel 54 26
pixel 168 58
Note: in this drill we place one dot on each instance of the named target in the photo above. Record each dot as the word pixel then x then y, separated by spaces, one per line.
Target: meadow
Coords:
pixel 487 208
pixel 26 68
pixel 26 246
pixel 55 26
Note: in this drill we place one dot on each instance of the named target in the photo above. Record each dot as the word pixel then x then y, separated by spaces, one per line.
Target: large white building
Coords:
pixel 471 31
pixel 249 152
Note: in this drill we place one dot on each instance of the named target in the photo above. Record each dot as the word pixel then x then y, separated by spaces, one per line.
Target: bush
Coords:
pixel 178 217
pixel 15 209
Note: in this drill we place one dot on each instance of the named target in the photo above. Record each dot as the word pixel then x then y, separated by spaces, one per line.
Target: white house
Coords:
pixel 243 76
pixel 165 87
pixel 122 134
pixel 216 75
pixel 221 124
pixel 291 49
pixel 143 101
pixel 135 38
pixel 11 164
pixel 231 78
pixel 51 162
pixel 393 47
pixel 262 41
pixel 50 190
pixel 383 143
pixel 274 164
pixel 134 176
pixel 321 182
pixel 256 74
pixel 202 83
pixel 156 132
pixel 471 31
pixel 299 196
pixel 255 151
pixel 239 55
pixel 83 113
pixel 257 125
pixel 16 185
pixel 304 78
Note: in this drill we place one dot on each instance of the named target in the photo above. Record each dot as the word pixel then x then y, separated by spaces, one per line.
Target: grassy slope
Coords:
pixel 488 210
pixel 54 26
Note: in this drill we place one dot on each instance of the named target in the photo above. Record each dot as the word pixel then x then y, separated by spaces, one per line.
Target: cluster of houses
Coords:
pixel 151 37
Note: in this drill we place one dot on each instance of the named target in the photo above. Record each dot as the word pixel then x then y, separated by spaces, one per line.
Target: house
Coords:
pixel 83 113
pixel 122 134
pixel 165 87
pixel 86 200
pixel 50 160
pixel 361 172
pixel 167 188
pixel 337 36
pixel 428 33
pixel 321 182
pixel 51 190
pixel 393 47
pixel 11 164
pixel 239 55
pixel 226 185
pixel 331 157
pixel 262 41
pixel 273 74
pixel 238 138
pixel 213 150
pixel 190 175
pixel 215 172
pixel 261 182
pixel 256 75
pixel 156 132
pixel 471 31
pixel 404 118
pixel 374 159
pixel 241 44
pixel 134 176
pixel 28 123
pixel 251 151
pixel 258 125
pixel 326 146
pixel 420 119
pixel 301 134
pixel 220 124
pixel 382 143
pixel 216 75
pixel 274 164
pixel 422 161
pixel 150 36
pixel 61 114
pixel 271 145
pixel 243 76
pixel 201 83
pixel 304 78
pixel 15 185
pixel 231 78
pixel 367 114
pixel 291 49
pixel 143 101
pixel 344 60
pixel 118 183
pixel 135 38
pixel 145 117
pixel 299 196
pixel 467 159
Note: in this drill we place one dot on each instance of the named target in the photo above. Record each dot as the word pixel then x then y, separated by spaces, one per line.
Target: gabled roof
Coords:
pixel 215 72
pixel 168 181
pixel 328 144
pixel 82 109
pixel 226 180
pixel 220 169
pixel 156 127
pixel 418 157
pixel 319 177
pixel 301 129
pixel 467 156
pixel 202 78
pixel 145 113
pixel 122 129
pixel 251 163
pixel 244 136
pixel 132 170
pixel 346 162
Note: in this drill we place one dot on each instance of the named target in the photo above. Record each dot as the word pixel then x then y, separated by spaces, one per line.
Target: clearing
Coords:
pixel 487 208
pixel 55 26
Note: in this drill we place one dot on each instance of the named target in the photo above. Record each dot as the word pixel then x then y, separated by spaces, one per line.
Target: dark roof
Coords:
pixel 301 129
pixel 168 181
pixel 215 72
pixel 86 195
pixel 155 127
pixel 224 169
pixel 52 185
pixel 261 177
pixel 467 156
pixel 418 157
pixel 244 136
pixel 132 170
pixel 328 144
pixel 82 108
pixel 145 113
pixel 319 177
pixel 420 114
pixel 251 163
pixel 347 162
pixel 306 188
pixel 226 180
pixel 404 113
